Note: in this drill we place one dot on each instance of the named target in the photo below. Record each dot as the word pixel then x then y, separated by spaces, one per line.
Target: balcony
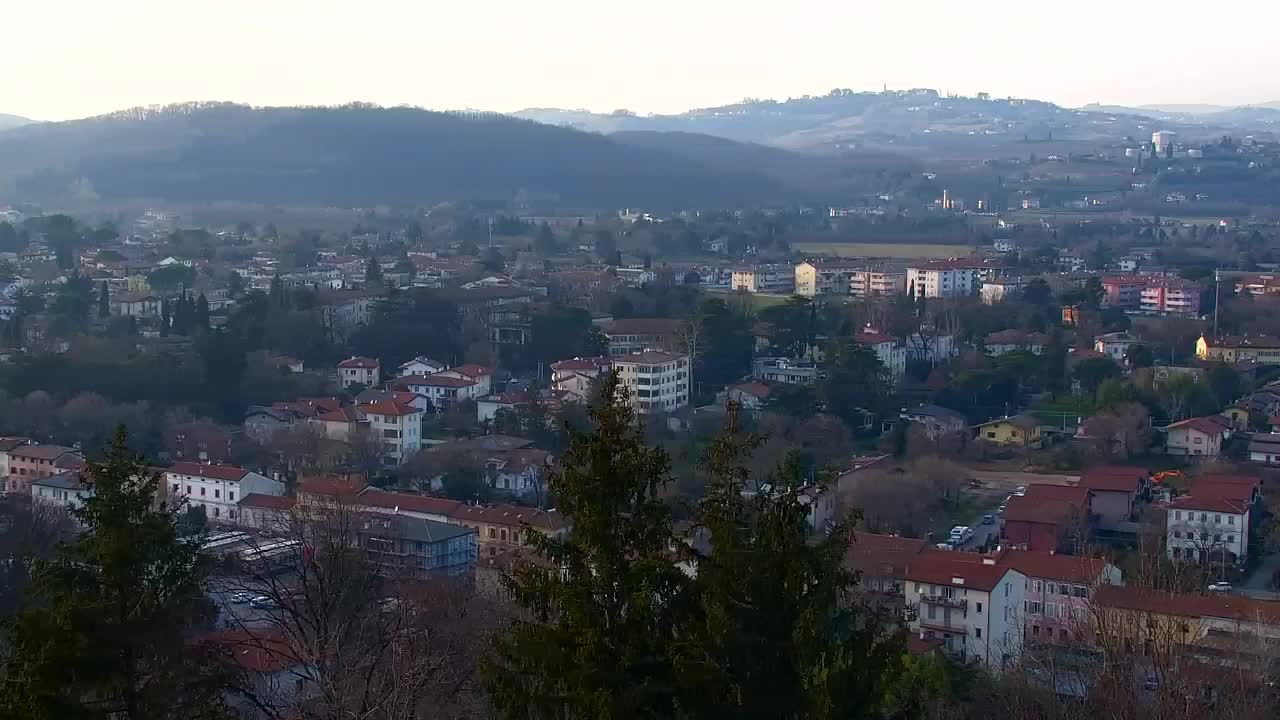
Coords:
pixel 942 623
pixel 943 601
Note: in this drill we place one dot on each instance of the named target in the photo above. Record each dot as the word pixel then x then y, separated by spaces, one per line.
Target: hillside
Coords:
pixel 12 121
pixel 357 156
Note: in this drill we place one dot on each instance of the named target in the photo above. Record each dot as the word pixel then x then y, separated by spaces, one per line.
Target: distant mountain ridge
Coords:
pixel 362 155
pixel 13 121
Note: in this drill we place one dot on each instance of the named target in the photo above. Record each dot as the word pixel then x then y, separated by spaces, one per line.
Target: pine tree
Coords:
pixel 106 635
pixel 372 272
pixel 202 313
pixel 104 301
pixel 775 633
pixel 604 604
pixel 276 292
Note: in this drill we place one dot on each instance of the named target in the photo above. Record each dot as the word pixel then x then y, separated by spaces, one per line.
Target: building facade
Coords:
pixel 658 381
pixel 217 488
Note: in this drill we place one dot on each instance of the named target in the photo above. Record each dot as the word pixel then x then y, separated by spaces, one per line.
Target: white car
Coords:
pixel 1020 490
pixel 1220 587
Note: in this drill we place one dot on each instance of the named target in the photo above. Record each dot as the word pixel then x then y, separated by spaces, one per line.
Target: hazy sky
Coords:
pixel 73 58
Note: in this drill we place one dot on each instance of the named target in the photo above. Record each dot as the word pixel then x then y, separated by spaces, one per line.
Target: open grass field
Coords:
pixel 883 250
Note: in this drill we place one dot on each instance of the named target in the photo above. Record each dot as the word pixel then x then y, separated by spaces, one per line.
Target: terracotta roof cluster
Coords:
pixel 363 363
pixel 1224 606
pixel 955 569
pixel 1055 566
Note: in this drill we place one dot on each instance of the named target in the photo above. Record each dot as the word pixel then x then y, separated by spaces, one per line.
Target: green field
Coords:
pixel 884 250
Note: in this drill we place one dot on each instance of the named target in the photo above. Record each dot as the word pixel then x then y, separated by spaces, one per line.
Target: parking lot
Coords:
pixel 233 614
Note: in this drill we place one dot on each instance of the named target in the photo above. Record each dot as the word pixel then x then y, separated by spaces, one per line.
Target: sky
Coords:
pixel 65 59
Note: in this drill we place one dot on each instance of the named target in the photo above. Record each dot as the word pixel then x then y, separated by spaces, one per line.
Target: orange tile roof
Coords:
pixel 882 555
pixel 942 567
pixel 217 472
pixel 1055 566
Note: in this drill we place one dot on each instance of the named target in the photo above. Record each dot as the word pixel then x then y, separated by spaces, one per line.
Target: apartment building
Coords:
pixel 1171 296
pixel 628 335
pixel 763 279
pixel 943 278
pixel 1058 592
pixel 217 488
pixel 868 282
pixel 398 426
pixel 814 278
pixel 1212 523
pixel 784 370
pixel 1261 349
pixel 972 603
pixel 658 381
pixel 359 371
pixel 33 462
pixel 65 489
pixel 417 546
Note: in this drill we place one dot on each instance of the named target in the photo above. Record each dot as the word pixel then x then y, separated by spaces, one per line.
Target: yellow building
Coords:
pixel 1018 431
pixel 1258 348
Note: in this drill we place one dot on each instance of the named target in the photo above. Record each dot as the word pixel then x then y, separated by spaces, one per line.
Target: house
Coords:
pixel 271 670
pixel 7 444
pixel 421 365
pixel 362 371
pixel 1208 527
pixel 628 335
pixel 936 420
pixel 881 561
pixel 138 305
pixel 1012 340
pixel 442 390
pixel 1049 518
pixel 217 488
pixel 970 602
pixel 488 406
pixel 398 426
pixel 341 424
pixel 261 422
pixel 34 461
pixel 1059 592
pixel 66 489
pixel 1115 491
pixel 1196 436
pixel 575 376
pixel 271 513
pixel 1115 345
pixel 417 547
pixel 748 396
pixel 502 528
pixel 997 290
pixel 784 370
pixel 1264 448
pixel 1016 431
pixel 1261 349
pixel 520 471
pixel 658 381
pixel 892 356
pixel 480 375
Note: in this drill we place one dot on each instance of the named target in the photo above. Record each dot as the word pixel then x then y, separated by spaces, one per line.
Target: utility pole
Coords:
pixel 1217 298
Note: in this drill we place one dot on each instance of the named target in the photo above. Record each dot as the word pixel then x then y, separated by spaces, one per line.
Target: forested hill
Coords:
pixel 357 156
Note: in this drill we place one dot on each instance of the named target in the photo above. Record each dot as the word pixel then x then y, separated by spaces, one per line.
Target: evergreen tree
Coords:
pixel 107 633
pixel 164 317
pixel 181 316
pixel 201 321
pixel 276 292
pixel 104 301
pixel 775 634
pixel 603 608
pixel 372 272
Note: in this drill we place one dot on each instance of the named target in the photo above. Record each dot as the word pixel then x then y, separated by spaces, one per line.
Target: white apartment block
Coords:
pixel 815 279
pixel 994 291
pixel 658 381
pixel 398 426
pixel 359 371
pixel 763 279
pixel 1208 529
pixel 970 603
pixel 870 283
pixel 217 488
pixel 943 278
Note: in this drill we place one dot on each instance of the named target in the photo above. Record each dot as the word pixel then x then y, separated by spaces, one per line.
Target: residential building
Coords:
pixel 33 462
pixel 488 406
pixel 420 547
pixel 346 310
pixel 478 374
pixel 65 489
pixel 749 396
pixel 217 488
pixel 784 370
pixel 502 528
pixel 421 365
pixel 892 355
pixel 943 278
pixel 7 444
pixel 936 420
pixel 397 426
pixel 575 376
pixel 869 282
pixel 1059 593
pixel 138 305
pixel 1207 528
pixel 1115 491
pixel 1123 292
pixel 362 371
pixel 1115 345
pixel 1264 448
pixel 261 422
pixel 1012 340
pixel 442 390
pixel 658 381
pixel 815 278
pixel 628 335
pixel 763 279
pixel 1261 349
pixel 1017 431
pixel 1171 296
pixel 994 291
pixel 970 602
pixel 344 423
pixel 1197 436
pixel 1048 518
pixel 882 560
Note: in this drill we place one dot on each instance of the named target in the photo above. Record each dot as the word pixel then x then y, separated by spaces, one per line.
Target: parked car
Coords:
pixel 262 602
pixel 241 598
pixel 1220 586
pixel 988 519
pixel 1020 490
pixel 945 546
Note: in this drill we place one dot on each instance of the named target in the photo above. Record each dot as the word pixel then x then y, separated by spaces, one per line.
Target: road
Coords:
pixel 233 615
pixel 981 533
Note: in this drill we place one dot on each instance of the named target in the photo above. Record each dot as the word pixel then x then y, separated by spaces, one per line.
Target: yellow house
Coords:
pixel 1258 348
pixel 1238 415
pixel 1018 431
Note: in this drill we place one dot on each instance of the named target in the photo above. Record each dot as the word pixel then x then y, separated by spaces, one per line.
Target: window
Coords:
pixel 977 632
pixel 1231 538
pixel 188 489
pixel 231 496
pixel 202 493
pixel 217 494
pixel 1177 533
pixel 493 533
pixel 175 488
pixel 217 512
pixel 1204 517
pixel 1217 518
pixel 979 607
pixel 1231 519
pixel 504 533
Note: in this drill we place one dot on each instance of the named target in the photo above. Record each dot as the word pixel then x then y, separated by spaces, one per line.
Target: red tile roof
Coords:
pixel 389 407
pixel 425 504
pixel 580 363
pixel 1113 478
pixel 1200 424
pixel 1229 607
pixel 1042 510
pixel 359 362
pixel 942 567
pixel 1054 566
pixel 333 485
pixel 346 415
pixel 755 389
pixel 1069 493
pixel 40 452
pixel 882 555
pixel 512 515
pixel 258 650
pixel 217 472
pixel 471 370
pixel 871 338
pixel 1210 503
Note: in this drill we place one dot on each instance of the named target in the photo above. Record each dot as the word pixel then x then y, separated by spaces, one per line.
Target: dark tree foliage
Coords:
pixel 792 326
pixel 560 332
pixel 603 607
pixel 855 382
pixel 104 301
pixel 725 344
pixel 108 635
pixel 171 278
pixel 433 324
